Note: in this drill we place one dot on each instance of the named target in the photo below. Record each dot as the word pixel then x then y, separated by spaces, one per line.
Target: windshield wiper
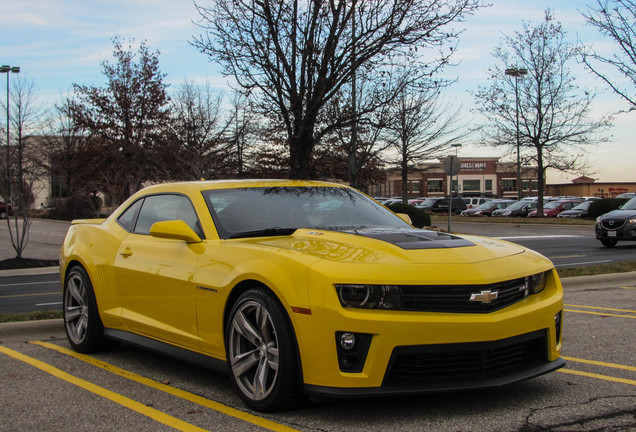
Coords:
pixel 267 232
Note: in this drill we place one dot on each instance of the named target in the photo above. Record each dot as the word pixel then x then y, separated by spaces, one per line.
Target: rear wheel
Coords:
pixel 84 328
pixel 261 352
pixel 609 242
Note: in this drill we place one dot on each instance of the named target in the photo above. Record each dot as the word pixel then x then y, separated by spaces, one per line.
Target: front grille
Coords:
pixel 416 366
pixel 455 298
pixel 612 224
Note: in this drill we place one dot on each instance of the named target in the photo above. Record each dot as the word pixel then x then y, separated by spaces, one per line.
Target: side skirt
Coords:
pixel 167 349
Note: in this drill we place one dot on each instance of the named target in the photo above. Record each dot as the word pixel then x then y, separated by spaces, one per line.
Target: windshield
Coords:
pixel 583 206
pixel 485 205
pixel 245 212
pixel 428 202
pixel 517 205
pixel 552 205
pixel 630 205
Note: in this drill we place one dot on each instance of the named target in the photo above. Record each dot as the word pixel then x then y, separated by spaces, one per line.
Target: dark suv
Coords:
pixel 617 225
pixel 440 205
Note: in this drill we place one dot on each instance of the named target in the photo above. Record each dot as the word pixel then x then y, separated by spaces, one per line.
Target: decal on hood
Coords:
pixel 413 238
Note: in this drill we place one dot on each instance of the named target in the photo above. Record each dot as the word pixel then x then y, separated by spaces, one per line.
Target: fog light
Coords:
pixel 347 341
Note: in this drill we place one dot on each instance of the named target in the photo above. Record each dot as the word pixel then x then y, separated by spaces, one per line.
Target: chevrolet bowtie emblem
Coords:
pixel 486 296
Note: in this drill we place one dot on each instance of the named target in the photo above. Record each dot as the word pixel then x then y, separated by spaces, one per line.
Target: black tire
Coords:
pixel 608 243
pixel 261 352
pixel 84 328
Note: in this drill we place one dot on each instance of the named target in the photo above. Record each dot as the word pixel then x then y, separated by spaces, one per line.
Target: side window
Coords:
pixel 129 217
pixel 157 208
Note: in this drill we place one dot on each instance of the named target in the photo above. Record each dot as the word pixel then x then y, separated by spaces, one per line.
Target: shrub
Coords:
pixel 602 206
pixel 419 218
pixel 75 207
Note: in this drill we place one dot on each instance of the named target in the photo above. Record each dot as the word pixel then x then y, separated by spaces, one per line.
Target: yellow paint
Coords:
pixel 599 363
pixel 600 313
pixel 152 413
pixel 600 308
pixel 597 376
pixel 232 412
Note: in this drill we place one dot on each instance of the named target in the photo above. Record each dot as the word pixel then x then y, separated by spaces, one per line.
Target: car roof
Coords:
pixel 194 186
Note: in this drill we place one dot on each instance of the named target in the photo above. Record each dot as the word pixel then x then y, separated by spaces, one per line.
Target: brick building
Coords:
pixel 478 176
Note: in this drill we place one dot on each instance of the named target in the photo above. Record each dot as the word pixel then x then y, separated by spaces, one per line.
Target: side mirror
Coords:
pixel 175 230
pixel 406 218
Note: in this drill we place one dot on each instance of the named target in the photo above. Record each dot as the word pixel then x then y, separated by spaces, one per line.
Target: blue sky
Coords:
pixel 60 42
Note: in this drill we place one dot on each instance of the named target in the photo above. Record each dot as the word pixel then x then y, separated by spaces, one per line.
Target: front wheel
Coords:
pixel 609 243
pixel 261 352
pixel 84 328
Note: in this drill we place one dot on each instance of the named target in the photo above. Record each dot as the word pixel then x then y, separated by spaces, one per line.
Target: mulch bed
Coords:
pixel 25 263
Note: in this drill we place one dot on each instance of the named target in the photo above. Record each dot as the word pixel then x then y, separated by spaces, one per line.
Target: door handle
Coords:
pixel 126 252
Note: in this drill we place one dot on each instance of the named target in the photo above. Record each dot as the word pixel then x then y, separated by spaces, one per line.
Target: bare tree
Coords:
pixel 422 126
pixel 198 136
pixel 294 56
pixel 615 19
pixel 360 140
pixel 25 169
pixel 127 115
pixel 555 123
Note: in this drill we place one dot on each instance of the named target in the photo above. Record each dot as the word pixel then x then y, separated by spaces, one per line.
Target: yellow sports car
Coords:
pixel 308 288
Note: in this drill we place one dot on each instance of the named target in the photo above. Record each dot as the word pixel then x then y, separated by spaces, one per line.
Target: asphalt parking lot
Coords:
pixel 46 386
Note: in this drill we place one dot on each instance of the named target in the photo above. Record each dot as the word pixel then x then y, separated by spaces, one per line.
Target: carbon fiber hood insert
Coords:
pixel 415 239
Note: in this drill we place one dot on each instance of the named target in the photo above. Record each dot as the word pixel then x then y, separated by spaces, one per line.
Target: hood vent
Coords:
pixel 415 239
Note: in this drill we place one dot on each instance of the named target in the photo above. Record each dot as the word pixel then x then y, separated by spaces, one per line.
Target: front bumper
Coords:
pixel 456 367
pixel 624 232
pixel 419 352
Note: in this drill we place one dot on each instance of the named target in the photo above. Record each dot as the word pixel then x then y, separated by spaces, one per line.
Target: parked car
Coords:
pixel 617 225
pixel 472 202
pixel 5 210
pixel 577 211
pixel 290 297
pixel 553 208
pixel 487 208
pixel 516 209
pixel 626 195
pixel 440 205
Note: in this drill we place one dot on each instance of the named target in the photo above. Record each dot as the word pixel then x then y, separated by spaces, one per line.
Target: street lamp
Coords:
pixel 517 73
pixel 8 69
pixel 450 198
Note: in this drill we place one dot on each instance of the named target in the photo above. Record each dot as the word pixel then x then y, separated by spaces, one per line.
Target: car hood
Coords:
pixel 619 214
pixel 390 246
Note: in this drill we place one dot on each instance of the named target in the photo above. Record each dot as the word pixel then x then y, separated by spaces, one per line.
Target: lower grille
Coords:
pixel 430 364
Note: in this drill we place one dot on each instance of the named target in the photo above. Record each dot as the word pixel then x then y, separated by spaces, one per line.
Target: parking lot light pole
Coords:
pixel 517 73
pixel 8 70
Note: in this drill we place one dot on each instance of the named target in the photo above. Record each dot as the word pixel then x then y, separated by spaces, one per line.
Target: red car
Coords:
pixel 553 208
pixel 5 210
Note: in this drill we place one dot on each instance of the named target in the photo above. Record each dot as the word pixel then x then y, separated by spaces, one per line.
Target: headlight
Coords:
pixel 536 283
pixel 369 296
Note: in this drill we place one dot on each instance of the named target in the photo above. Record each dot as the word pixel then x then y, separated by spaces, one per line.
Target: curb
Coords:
pixel 599 281
pixel 24 331
pixel 30 271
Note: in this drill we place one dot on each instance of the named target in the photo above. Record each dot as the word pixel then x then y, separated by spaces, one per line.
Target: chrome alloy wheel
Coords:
pixel 253 350
pixel 76 308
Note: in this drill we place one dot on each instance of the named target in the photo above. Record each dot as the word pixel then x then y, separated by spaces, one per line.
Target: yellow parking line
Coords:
pixel 597 376
pixel 217 406
pixel 600 313
pixel 598 363
pixel 154 414
pixel 628 287
pixel 601 308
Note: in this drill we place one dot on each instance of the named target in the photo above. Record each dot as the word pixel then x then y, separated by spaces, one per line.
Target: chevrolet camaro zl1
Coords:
pixel 308 288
